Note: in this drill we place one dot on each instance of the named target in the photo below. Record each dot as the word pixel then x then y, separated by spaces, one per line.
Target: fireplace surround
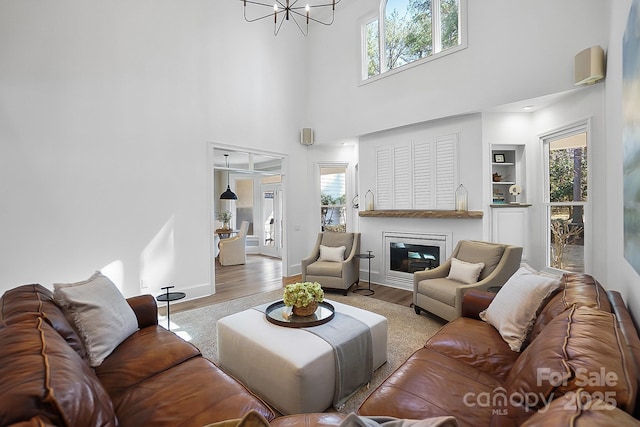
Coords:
pixel 407 252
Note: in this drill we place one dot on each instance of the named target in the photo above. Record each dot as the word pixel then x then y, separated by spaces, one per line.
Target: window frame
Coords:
pixel 348 192
pixel 437 48
pixel 583 126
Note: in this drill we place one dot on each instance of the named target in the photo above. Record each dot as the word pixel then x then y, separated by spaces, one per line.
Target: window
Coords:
pixel 567 197
pixel 408 31
pixel 333 198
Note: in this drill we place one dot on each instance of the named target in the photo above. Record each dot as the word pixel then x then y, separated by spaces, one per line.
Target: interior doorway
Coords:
pixel 256 180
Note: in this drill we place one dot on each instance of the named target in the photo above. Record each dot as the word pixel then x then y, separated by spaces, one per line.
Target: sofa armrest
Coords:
pixel 475 301
pixel 630 334
pixel 146 310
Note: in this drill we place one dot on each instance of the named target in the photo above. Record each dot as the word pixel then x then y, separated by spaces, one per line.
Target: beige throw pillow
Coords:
pixel 328 253
pixel 514 309
pixel 99 312
pixel 465 272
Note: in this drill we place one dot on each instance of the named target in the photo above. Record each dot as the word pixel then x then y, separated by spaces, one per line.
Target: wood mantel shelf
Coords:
pixel 411 213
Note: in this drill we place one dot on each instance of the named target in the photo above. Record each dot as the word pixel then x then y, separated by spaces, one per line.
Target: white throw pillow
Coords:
pixel 514 309
pixel 465 272
pixel 99 312
pixel 328 253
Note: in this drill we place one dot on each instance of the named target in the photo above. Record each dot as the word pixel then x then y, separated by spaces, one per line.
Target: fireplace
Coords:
pixel 406 253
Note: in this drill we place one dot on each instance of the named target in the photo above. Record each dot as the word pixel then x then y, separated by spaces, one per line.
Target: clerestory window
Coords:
pixel 409 32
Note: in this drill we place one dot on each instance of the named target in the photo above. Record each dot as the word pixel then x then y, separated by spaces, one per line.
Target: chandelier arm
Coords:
pixel 311 6
pixel 304 15
pixel 256 19
pixel 298 24
pixel 269 5
pixel 276 27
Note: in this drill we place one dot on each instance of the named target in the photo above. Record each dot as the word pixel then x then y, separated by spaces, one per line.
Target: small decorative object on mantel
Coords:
pixel 303 297
pixel 369 201
pixel 497 177
pixel 462 196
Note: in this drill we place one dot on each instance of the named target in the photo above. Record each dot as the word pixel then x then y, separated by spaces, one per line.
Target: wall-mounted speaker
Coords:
pixel 306 136
pixel 589 66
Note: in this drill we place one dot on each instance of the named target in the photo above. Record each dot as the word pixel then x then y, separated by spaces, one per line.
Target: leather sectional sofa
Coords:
pixel 583 344
pixel 153 378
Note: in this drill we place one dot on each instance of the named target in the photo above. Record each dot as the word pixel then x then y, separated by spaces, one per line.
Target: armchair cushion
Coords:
pixel 513 311
pixel 325 268
pixel 335 239
pixel 488 253
pixel 440 289
pixel 332 254
pixel 465 272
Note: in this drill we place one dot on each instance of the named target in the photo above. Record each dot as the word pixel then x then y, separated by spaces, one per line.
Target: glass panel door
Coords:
pixel 271 217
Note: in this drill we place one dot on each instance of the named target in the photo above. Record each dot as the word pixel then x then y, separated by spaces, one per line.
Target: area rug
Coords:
pixel 407 331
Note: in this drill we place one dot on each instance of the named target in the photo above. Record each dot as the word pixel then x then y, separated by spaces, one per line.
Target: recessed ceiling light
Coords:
pixel 527 107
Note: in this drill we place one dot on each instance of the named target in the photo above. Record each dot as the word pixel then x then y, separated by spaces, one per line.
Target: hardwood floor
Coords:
pixel 264 274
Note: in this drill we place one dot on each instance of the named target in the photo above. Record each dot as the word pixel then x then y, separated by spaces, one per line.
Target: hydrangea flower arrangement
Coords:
pixel 302 294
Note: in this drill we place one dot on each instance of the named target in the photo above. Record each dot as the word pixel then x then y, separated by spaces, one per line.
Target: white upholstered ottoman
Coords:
pixel 291 369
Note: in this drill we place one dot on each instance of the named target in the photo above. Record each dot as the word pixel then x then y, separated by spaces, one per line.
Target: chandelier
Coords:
pixel 286 10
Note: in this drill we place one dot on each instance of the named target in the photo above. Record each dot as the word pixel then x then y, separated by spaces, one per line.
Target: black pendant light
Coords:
pixel 228 194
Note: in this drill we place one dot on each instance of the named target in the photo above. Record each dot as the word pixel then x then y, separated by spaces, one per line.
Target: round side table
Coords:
pixel 168 297
pixel 368 256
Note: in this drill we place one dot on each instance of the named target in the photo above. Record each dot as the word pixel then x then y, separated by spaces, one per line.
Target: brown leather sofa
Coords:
pixel 582 344
pixel 152 378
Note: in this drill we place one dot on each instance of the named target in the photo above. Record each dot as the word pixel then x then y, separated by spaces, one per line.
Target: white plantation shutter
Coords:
pixel 445 172
pixel 402 177
pixel 382 192
pixel 420 175
pixel 422 179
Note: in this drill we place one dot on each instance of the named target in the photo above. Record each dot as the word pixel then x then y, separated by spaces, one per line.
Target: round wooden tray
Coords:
pixel 278 314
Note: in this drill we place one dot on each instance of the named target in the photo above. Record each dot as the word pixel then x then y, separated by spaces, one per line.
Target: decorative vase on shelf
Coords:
pixel 307 310
pixel 462 196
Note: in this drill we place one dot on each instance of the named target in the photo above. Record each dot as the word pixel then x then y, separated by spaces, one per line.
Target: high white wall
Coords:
pixel 106 113
pixel 516 51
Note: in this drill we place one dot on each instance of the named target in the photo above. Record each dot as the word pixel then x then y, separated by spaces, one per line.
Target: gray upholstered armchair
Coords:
pixel 437 294
pixel 333 274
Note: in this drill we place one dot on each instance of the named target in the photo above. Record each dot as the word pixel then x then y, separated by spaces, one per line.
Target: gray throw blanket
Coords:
pixel 353 349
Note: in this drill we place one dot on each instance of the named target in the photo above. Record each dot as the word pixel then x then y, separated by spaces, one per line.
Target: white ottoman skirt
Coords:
pixel 291 369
